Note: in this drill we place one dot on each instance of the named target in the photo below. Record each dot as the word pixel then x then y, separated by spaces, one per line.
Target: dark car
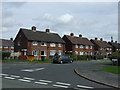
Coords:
pixel 62 59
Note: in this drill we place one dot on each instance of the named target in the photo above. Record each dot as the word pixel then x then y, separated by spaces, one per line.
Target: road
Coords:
pixel 45 76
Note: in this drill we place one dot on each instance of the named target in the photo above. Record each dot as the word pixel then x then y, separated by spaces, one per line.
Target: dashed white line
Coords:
pixel 39 69
pixel 29 78
pixel 28 70
pixel 15 76
pixel 60 86
pixel 41 83
pixel 9 78
pixel 4 74
pixel 45 81
pixel 24 80
pixel 84 86
pixel 63 83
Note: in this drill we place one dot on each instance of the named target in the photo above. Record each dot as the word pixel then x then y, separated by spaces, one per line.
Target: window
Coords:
pixel 34 43
pixel 90 47
pixel 81 46
pixel 5 46
pixel 0 46
pixel 59 45
pixel 52 52
pixel 52 44
pixel 76 46
pixel 59 52
pixel 86 46
pixel 81 53
pixel 34 53
pixel 91 53
pixel 110 48
pixel 12 47
pixel 43 44
pixel 43 53
pixel 18 43
pixel 107 48
pixel 76 52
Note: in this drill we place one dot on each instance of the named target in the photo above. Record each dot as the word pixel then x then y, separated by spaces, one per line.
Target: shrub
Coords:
pixel 99 57
pixel 31 58
pixel 5 55
pixel 23 57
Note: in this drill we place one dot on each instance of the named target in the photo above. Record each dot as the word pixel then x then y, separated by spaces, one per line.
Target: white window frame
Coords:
pixel 34 53
pixel 91 47
pixel 59 45
pixel 52 52
pixel 76 52
pixel 45 44
pixel 45 53
pixel 81 53
pixel 12 47
pixel 59 52
pixel 52 44
pixel 0 46
pixel 5 46
pixel 34 43
pixel 76 46
pixel 81 46
pixel 86 46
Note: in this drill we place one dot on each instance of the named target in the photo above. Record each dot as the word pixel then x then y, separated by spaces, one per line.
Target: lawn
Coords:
pixel 111 69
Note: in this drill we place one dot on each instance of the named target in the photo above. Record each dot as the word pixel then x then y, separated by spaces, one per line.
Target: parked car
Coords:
pixel 62 59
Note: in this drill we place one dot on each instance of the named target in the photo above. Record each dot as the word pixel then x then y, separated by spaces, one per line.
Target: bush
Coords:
pixel 80 57
pixel 31 58
pixel 99 57
pixel 23 57
pixel 5 55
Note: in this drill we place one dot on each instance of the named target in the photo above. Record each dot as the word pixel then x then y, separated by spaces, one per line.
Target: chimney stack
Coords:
pixel 101 39
pixel 33 28
pixel 95 38
pixel 71 34
pixel 47 30
pixel 80 35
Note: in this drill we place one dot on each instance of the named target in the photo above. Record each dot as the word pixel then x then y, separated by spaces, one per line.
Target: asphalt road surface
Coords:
pixel 45 76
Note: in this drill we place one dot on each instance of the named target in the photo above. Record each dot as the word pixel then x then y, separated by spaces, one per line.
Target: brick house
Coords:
pixel 38 43
pixel 101 47
pixel 7 45
pixel 115 46
pixel 78 45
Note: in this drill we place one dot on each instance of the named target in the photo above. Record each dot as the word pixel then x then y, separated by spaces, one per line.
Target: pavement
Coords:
pixel 104 78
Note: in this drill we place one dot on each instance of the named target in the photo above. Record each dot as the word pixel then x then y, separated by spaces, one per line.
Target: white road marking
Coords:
pixel 45 81
pixel 4 74
pixel 29 78
pixel 15 76
pixel 9 77
pixel 41 83
pixel 32 70
pixel 60 86
pixel 63 83
pixel 24 80
pixel 84 86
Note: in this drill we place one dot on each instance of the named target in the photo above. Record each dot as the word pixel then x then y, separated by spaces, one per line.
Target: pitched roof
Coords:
pixel 116 45
pixel 102 44
pixel 79 40
pixel 42 36
pixel 5 42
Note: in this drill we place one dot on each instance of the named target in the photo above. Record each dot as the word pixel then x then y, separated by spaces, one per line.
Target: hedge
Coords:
pixel 5 55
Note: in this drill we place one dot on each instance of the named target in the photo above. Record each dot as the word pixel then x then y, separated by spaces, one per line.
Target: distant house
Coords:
pixel 115 46
pixel 38 43
pixel 78 45
pixel 7 45
pixel 102 47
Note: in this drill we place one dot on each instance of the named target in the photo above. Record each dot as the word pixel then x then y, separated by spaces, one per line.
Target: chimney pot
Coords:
pixel 33 28
pixel 101 39
pixel 95 38
pixel 11 39
pixel 115 41
pixel 47 30
pixel 71 34
pixel 80 35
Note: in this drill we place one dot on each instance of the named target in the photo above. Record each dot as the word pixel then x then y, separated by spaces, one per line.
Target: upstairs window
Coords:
pixel 0 46
pixel 34 43
pixel 81 46
pixel 86 46
pixel 52 44
pixel 43 44
pixel 81 53
pixel 5 46
pixel 18 43
pixel 76 46
pixel 59 45
pixel 91 47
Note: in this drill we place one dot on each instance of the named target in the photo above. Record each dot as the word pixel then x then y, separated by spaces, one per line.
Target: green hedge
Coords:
pixel 5 55
pixel 115 55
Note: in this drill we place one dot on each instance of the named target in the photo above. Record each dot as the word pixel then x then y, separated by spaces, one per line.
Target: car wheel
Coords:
pixel 71 61
pixel 61 62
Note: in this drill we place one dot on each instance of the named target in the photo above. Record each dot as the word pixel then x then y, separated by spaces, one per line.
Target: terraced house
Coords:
pixel 78 45
pixel 102 47
pixel 115 46
pixel 38 43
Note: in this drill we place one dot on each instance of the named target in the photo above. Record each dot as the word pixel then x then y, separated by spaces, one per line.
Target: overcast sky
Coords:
pixel 87 18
